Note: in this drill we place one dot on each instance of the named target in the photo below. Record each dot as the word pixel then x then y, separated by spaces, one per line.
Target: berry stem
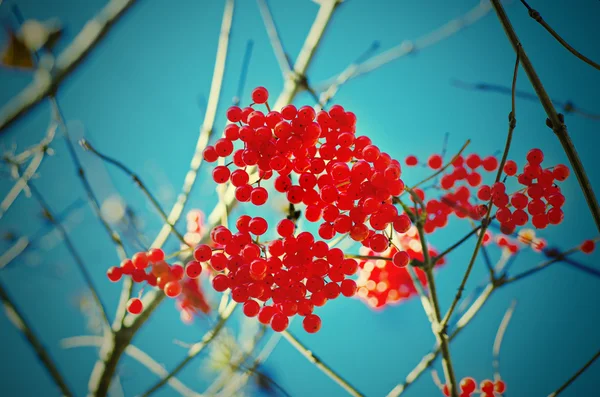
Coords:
pixel 575 375
pixel 320 364
pixel 136 179
pixel 439 329
pixel 538 18
pixel 556 120
pixel 16 318
pixel 512 123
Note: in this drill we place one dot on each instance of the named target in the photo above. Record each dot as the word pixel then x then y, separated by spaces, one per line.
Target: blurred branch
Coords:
pixel 37 154
pixel 330 87
pixel 576 375
pixel 46 82
pixel 280 54
pixel 135 353
pixel 17 319
pixel 512 123
pixel 310 356
pixel 136 179
pixel 195 349
pixel 567 107
pixel 500 337
pixel 554 121
pixel 538 18
pixel 206 130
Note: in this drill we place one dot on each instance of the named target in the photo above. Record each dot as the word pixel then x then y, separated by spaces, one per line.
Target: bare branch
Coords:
pixel 500 337
pixel 576 375
pixel 280 53
pixel 555 121
pixel 135 353
pixel 310 356
pixel 449 29
pixel 16 318
pixel 538 18
pixel 136 179
pixel 46 82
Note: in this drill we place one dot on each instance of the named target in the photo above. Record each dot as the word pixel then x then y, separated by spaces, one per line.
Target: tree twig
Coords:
pixel 73 55
pixel 280 54
pixel 575 375
pixel 555 121
pixel 136 179
pixel 535 15
pixel 500 337
pixel 16 318
pixel 310 356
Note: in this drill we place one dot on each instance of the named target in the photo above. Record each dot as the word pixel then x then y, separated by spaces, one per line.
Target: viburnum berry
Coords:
pixel 411 161
pixel 435 161
pixel 468 385
pixel 155 255
pixel 499 386
pixel 203 253
pixel 172 289
pixel 193 269
pixel 135 306
pixel 260 95
pixel 114 274
pixel 251 308
pixel 588 246
pixel 510 168
pixel 401 259
pixel 311 323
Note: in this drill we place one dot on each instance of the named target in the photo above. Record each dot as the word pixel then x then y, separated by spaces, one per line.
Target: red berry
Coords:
pixel 588 246
pixel 487 386
pixel 210 154
pixel 411 161
pixel 221 174
pixel 259 196
pixel 499 386
pixel 555 216
pixel 468 385
pixel 285 228
pixel 114 274
pixel 135 306
pixel 234 114
pixel 279 322
pixel 401 259
pixel 535 156
pixel 348 288
pixel 172 289
pixel 251 308
pixel 260 95
pixel 490 163
pixel 258 226
pixel 435 161
pixel 156 255
pixel 202 253
pixel 510 168
pixel 311 323
pixel 140 260
pixel 220 282
pixel 561 172
pixel 193 269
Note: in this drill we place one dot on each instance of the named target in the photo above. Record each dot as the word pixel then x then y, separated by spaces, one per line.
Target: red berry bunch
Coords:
pixel 276 280
pixel 456 184
pixel 540 198
pixel 151 267
pixel 191 301
pixel 345 180
pixel 487 388
pixel 381 282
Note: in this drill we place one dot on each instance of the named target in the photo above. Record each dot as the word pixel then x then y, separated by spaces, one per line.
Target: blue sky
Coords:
pixel 140 97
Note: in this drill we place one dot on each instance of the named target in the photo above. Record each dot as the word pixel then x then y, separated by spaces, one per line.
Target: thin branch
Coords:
pixel 566 106
pixel 500 337
pixel 135 353
pixel 136 179
pixel 40 152
pixel 538 18
pixel 449 29
pixel 555 121
pixel 206 130
pixel 512 122
pixel 576 375
pixel 195 349
pixel 74 253
pixel 17 319
pixel 282 59
pixel 310 356
pixel 73 55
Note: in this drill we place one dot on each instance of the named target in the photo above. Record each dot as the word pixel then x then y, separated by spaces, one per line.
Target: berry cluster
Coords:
pixel 343 179
pixel 540 198
pixel 279 279
pixel 383 282
pixel 150 267
pixel 487 388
